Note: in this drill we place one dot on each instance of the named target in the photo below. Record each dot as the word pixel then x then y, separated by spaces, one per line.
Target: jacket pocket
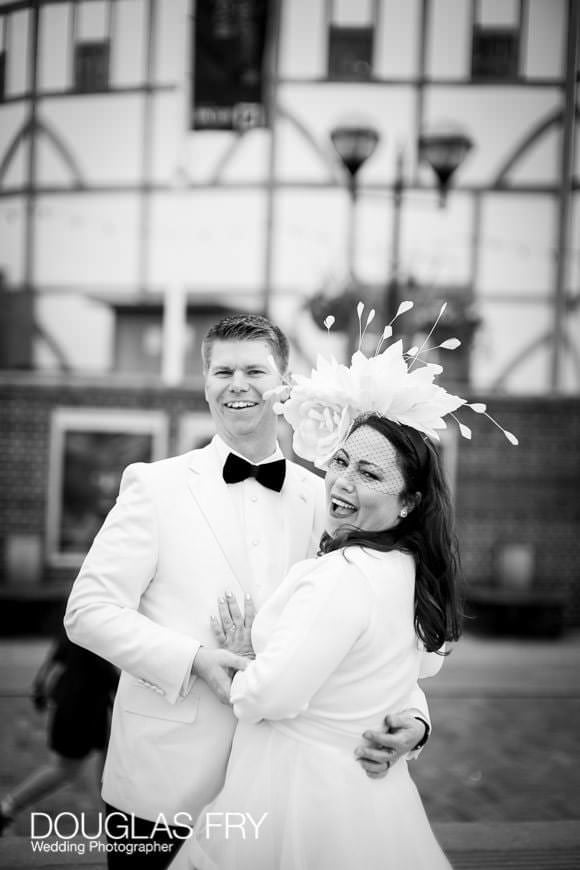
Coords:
pixel 137 697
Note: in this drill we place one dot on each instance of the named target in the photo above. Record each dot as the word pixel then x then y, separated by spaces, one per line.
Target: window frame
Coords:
pixel 481 31
pixel 91 420
pixel 337 30
pixel 83 44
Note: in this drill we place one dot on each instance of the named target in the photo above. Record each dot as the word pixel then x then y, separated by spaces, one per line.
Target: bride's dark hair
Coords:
pixel 426 533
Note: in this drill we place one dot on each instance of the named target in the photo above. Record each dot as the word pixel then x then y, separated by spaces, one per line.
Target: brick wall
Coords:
pixel 528 494
pixel 26 406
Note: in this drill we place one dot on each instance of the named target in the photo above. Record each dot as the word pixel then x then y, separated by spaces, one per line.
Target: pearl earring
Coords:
pixel 404 513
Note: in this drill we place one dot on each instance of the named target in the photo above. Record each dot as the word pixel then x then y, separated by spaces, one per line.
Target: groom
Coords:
pixel 232 516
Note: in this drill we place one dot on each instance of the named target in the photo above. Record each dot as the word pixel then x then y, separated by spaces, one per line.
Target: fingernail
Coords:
pixel 222 600
pixel 247 596
pixel 229 594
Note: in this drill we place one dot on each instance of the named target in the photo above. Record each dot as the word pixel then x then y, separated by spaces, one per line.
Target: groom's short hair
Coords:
pixel 247 327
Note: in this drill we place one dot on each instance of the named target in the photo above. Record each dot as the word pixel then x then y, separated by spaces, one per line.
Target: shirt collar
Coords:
pixel 223 449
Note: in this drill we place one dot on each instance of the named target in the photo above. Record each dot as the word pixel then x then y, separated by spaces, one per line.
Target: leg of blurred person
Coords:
pixel 139 843
pixel 57 773
pixel 60 771
pixel 78 727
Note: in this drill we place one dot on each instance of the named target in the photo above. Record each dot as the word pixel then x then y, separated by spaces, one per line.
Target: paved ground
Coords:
pixel 504 750
pixel 505 745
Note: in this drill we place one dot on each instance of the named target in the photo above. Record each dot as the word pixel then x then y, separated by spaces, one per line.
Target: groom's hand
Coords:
pixel 383 748
pixel 216 668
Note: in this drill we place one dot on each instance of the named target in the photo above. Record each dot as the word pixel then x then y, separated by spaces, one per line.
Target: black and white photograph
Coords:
pixel 289 434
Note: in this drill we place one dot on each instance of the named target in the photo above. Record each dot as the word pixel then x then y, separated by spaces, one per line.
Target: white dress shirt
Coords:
pixel 263 524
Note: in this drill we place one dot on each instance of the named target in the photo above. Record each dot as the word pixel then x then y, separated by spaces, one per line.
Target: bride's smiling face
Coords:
pixel 364 484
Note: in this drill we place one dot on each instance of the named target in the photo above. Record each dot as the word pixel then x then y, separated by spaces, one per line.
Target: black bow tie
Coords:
pixel 271 474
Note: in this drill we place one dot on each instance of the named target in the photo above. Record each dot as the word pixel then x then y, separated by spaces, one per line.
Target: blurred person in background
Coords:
pixel 234 515
pixel 78 688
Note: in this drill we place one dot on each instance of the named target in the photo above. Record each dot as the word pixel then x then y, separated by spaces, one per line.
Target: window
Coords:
pixel 350 53
pixel 496 40
pixel 229 45
pixel 495 53
pixel 89 448
pixel 138 337
pixel 92 66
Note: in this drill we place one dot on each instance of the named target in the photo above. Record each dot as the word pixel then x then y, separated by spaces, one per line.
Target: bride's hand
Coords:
pixel 232 630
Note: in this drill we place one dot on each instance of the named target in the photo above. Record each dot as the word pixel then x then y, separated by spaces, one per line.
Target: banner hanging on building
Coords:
pixel 229 88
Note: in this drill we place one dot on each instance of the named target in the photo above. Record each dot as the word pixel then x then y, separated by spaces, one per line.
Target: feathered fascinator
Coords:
pixel 398 385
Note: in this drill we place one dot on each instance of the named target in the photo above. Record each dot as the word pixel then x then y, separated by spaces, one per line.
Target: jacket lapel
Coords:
pixel 299 511
pixel 210 492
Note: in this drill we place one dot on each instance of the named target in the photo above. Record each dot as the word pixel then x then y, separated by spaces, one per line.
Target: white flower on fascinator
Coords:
pixel 321 408
pixel 384 384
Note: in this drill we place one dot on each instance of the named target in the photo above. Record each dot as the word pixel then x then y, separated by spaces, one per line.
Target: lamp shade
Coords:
pixel 354 144
pixel 444 152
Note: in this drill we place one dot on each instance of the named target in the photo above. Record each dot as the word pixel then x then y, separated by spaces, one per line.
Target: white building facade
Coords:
pixel 109 195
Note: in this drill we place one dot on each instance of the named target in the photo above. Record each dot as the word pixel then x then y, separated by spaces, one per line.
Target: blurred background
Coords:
pixel 164 163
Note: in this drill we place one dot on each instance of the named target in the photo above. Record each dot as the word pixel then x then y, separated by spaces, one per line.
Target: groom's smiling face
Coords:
pixel 238 374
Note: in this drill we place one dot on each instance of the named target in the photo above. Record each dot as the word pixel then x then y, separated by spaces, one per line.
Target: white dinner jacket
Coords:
pixel 143 598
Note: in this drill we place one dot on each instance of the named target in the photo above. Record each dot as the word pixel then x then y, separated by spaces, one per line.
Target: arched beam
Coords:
pixel 54 347
pixel 63 150
pixel 333 170
pixel 574 354
pixel 12 148
pixel 226 159
pixel 28 129
pixel 572 303
pixel 520 357
pixel 526 143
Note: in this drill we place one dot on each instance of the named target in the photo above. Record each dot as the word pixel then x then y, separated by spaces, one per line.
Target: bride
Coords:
pixel 344 637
